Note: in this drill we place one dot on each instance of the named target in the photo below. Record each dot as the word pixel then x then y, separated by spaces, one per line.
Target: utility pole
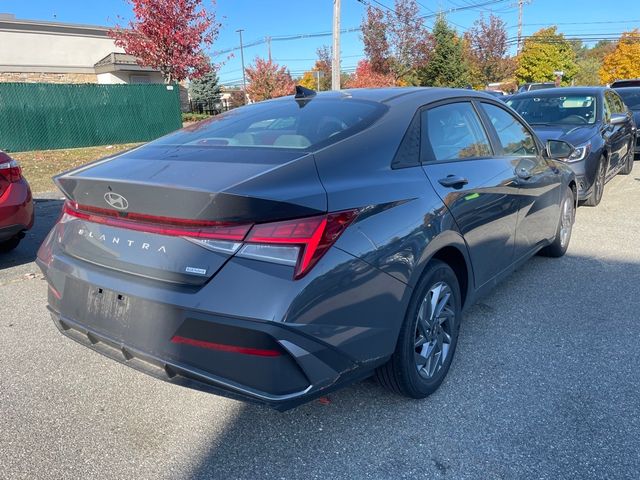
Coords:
pixel 335 58
pixel 244 78
pixel 521 4
pixel 268 39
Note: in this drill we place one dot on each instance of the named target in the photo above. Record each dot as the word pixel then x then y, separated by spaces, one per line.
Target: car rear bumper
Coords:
pixel 284 366
pixel 16 210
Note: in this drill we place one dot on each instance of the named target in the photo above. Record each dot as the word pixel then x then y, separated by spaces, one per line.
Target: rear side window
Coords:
pixel 281 124
pixel 514 137
pixel 453 132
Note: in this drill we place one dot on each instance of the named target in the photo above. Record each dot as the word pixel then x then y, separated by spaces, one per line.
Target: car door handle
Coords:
pixel 524 173
pixel 453 181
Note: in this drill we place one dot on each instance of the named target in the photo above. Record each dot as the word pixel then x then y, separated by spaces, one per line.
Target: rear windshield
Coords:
pixel 631 97
pixel 281 124
pixel 562 109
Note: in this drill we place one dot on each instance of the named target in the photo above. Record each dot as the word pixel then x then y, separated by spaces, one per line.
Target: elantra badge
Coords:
pixel 116 200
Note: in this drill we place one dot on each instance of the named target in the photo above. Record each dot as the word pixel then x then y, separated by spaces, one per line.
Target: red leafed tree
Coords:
pixel 488 48
pixel 267 80
pixel 365 77
pixel 169 35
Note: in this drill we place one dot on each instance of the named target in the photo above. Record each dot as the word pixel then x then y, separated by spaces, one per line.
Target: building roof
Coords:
pixel 117 61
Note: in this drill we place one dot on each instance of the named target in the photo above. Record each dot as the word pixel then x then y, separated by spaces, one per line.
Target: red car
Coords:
pixel 16 204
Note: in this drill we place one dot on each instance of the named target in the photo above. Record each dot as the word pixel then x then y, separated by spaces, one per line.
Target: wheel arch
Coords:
pixel 453 257
pixel 450 248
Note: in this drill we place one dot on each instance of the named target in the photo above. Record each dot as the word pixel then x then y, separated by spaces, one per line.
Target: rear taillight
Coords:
pixel 9 168
pixel 300 243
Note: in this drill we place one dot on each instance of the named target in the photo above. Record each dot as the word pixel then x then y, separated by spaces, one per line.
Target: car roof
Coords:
pixel 553 92
pixel 389 95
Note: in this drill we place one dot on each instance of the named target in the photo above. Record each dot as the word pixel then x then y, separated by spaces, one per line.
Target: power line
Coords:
pixel 467 7
pixel 284 38
pixel 301 36
pixel 574 23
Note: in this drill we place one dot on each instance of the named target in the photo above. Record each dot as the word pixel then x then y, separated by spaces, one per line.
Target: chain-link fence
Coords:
pixel 48 116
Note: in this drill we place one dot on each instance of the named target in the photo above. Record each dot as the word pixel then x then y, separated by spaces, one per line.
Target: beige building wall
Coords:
pixel 35 51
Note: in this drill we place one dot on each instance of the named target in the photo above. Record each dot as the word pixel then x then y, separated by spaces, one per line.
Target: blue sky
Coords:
pixel 261 18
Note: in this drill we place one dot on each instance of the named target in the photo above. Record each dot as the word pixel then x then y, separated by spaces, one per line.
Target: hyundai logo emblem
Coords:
pixel 116 200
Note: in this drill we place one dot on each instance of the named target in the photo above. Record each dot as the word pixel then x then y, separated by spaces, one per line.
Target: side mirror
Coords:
pixel 558 149
pixel 618 119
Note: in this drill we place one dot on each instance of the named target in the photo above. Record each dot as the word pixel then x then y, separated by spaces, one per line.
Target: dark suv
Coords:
pixel 626 83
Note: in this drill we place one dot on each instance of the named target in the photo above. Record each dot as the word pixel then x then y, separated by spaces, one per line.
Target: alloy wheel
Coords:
pixel 599 185
pixel 566 221
pixel 434 330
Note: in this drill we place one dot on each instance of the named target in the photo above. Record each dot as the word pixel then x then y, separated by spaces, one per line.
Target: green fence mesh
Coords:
pixel 42 116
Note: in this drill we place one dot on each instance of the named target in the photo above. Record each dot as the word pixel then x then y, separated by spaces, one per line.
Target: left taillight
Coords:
pixel 9 168
pixel 299 243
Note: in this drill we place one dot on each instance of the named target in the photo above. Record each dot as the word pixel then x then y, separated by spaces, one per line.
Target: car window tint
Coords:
pixel 453 132
pixel 514 137
pixel 281 124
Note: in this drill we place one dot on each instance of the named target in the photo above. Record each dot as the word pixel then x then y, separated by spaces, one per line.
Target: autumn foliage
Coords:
pixel 365 77
pixel 624 61
pixel 396 41
pixel 322 65
pixel 267 80
pixel 486 43
pixel 169 35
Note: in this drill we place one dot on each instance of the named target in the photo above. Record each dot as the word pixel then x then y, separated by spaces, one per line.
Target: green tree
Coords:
pixel 448 65
pixel 588 68
pixel 590 60
pixel 545 52
pixel 205 89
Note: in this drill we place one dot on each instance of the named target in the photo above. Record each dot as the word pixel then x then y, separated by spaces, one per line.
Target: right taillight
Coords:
pixel 9 168
pixel 300 243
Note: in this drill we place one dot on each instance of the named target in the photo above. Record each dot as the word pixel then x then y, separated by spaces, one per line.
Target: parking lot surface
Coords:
pixel 545 384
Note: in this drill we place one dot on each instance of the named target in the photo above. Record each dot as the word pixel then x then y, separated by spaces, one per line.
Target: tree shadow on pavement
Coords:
pixel 47 212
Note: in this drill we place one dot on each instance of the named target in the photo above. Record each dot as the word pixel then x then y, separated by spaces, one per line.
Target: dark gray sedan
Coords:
pixel 287 248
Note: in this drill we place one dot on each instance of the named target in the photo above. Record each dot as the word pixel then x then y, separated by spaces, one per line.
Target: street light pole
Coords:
pixel 244 79
pixel 335 61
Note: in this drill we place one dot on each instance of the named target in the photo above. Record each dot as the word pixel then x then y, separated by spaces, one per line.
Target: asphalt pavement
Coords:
pixel 544 385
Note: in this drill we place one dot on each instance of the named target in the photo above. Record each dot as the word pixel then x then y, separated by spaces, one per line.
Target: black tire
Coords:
pixel 565 225
pixel 403 373
pixel 8 245
pixel 598 184
pixel 628 164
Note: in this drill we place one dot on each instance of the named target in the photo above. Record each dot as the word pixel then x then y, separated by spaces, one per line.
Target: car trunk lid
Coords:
pixel 178 214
